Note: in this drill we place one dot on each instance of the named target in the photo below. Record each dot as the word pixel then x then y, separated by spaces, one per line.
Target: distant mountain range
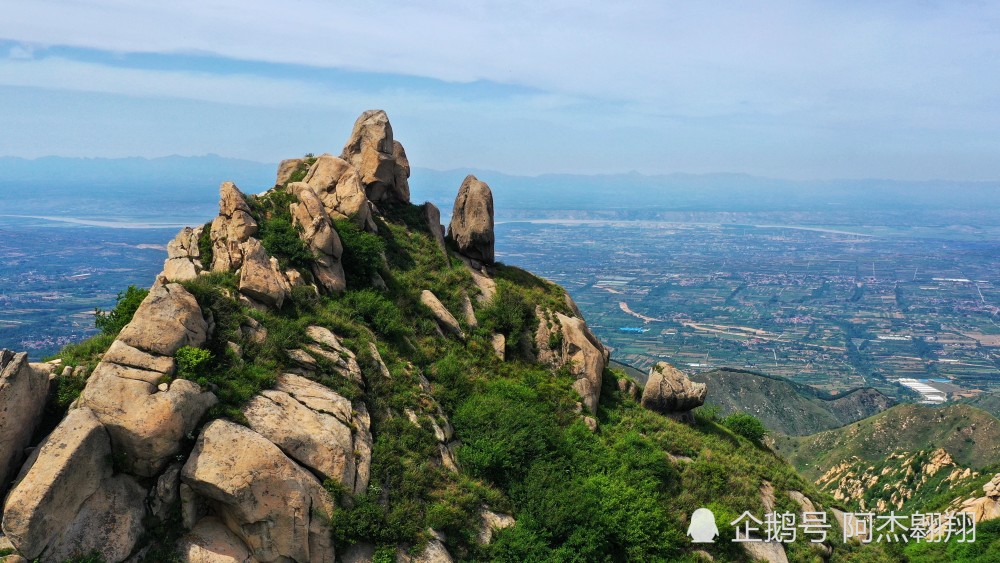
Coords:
pixel 611 196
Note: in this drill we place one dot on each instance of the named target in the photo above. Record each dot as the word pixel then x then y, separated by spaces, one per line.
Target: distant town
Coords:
pixel 835 308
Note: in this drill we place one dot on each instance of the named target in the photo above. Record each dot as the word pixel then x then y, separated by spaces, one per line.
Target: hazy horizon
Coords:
pixel 800 91
pixel 538 175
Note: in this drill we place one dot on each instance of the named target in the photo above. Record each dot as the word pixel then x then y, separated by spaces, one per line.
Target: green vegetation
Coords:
pixel 786 406
pixel 874 439
pixel 363 253
pixel 205 250
pixel 983 550
pixel 277 233
pixel 619 493
pixel 746 425
pixel 113 321
pixel 190 361
pixel 302 169
pixel 988 401
pixel 509 313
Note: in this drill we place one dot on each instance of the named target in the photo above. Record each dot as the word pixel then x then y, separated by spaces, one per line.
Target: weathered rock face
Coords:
pixel 317 231
pixel 277 508
pixel 66 469
pixel 668 391
pixel 23 391
pixel 326 345
pixel 577 348
pixel 986 507
pixel 231 229
pixel 401 173
pixel 260 278
pixel 146 424
pixel 286 168
pixel 183 256
pixel 127 356
pixel 492 522
pixel 168 319
pixel 433 216
pixel 109 522
pixel 339 186
pixel 435 552
pixel 444 317
pixel 314 425
pixel 373 153
pixel 471 226
pixel 212 542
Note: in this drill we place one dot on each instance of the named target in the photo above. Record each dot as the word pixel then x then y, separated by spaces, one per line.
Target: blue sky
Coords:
pixel 800 90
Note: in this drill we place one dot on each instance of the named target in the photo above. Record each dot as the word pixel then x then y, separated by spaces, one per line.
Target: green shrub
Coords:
pixel 508 313
pixel 281 240
pixel 746 425
pixel 378 311
pixel 68 389
pixel 555 339
pixel 504 429
pixel 363 253
pixel 191 362
pixel 205 250
pixel 113 321
pixel 276 232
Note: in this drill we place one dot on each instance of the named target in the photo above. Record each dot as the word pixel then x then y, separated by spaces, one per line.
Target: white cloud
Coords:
pixel 21 52
pixel 691 58
pixel 777 88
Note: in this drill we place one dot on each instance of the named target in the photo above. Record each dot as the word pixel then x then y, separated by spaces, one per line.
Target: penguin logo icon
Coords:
pixel 703 528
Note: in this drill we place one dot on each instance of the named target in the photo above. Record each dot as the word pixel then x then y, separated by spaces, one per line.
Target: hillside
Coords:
pixel 970 436
pixel 321 374
pixel 785 406
pixel 988 401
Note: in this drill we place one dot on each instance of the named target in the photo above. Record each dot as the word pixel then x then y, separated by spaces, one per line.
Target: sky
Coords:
pixel 907 90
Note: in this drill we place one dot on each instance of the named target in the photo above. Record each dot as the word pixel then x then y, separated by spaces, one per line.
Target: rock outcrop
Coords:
pixel 146 424
pixel 338 184
pixel 433 216
pixel 67 481
pixel 317 231
pixel 23 390
pixel 210 541
pixel 184 256
pixel 277 508
pixel 231 229
pixel 986 507
pixel 670 392
pixel 445 319
pixel 379 160
pixel 316 427
pixel 286 169
pixel 471 227
pixel 575 347
pixel 260 277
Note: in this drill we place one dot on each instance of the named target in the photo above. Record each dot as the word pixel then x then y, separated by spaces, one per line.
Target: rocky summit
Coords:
pixel 323 373
pixel 254 470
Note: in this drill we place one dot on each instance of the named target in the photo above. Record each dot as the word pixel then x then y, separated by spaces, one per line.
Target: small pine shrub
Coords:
pixel 113 321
